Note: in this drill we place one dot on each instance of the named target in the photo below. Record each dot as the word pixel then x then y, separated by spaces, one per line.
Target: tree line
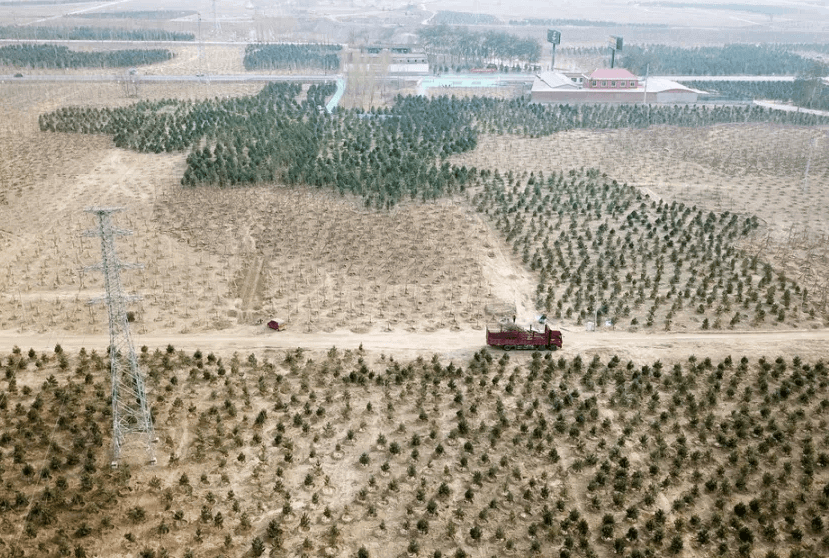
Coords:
pixel 385 156
pixel 802 92
pixel 176 125
pixel 55 56
pixel 600 246
pixel 519 116
pixel 91 34
pixel 471 48
pixel 546 22
pixel 139 14
pixel 292 57
pixel 732 59
pixel 817 47
pixel 445 17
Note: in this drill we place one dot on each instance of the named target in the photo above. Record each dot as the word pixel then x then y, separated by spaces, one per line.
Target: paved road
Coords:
pixel 728 78
pixel 431 79
pixel 735 78
pixel 93 42
pixel 117 74
pixel 140 78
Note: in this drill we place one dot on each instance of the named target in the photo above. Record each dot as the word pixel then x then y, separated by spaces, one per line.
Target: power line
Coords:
pixel 130 411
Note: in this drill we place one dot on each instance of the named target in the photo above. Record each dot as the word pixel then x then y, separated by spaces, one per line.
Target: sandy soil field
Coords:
pixel 219 258
pixel 343 435
pixel 215 259
pixel 344 452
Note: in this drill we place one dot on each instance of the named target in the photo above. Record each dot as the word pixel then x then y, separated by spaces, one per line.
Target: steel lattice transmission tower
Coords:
pixel 130 411
pixel 216 26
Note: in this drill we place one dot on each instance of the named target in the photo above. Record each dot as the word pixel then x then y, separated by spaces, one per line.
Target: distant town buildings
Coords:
pixel 392 59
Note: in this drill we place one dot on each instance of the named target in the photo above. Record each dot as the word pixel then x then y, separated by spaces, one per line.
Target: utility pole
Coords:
pixel 130 411
pixel 201 44
pixel 616 43
pixel 645 92
pixel 204 67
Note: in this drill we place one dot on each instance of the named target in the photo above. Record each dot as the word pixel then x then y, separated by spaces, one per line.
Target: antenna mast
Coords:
pixel 130 411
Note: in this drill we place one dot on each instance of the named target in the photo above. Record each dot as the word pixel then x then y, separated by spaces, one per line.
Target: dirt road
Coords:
pixel 460 345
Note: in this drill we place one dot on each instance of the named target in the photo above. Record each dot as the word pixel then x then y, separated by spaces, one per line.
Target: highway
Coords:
pixel 142 78
pixel 484 79
pixel 121 42
pixel 729 78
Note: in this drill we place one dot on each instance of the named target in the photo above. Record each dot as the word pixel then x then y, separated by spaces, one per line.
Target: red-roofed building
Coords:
pixel 615 85
pixel 611 78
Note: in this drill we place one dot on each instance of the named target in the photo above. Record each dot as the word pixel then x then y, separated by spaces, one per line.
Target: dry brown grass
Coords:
pixel 218 258
pixel 322 263
pixel 50 179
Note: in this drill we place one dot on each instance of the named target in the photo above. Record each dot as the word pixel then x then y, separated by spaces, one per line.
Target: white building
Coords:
pixel 605 86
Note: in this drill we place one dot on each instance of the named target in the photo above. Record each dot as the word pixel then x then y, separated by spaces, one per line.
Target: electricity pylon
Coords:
pixel 130 411
pixel 217 28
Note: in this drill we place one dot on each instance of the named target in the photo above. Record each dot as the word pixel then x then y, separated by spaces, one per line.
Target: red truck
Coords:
pixel 513 337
